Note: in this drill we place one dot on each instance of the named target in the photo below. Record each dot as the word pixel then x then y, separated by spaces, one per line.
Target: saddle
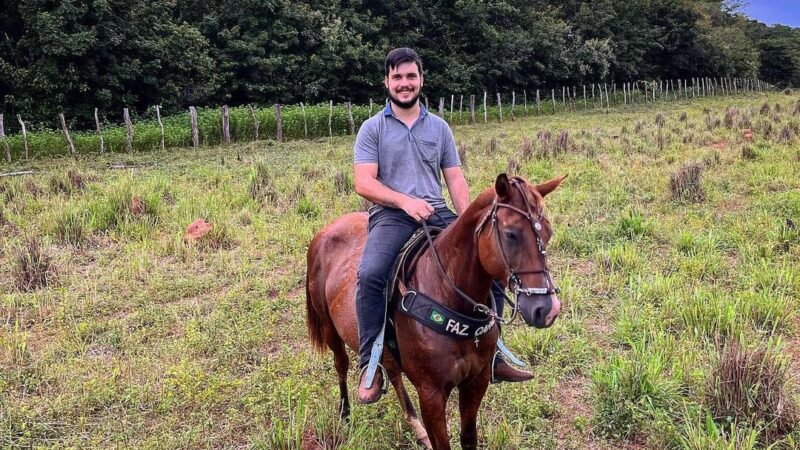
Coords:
pixel 419 306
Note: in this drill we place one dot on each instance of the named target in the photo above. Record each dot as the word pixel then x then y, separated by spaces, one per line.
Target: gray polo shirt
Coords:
pixel 409 159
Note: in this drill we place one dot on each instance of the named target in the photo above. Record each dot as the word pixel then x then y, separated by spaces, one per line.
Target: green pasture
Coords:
pixel 680 304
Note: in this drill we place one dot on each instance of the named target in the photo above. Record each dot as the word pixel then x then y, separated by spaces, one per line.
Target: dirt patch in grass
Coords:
pixel 719 145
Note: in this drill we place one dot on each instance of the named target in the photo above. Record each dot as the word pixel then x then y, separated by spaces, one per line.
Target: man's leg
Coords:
pixel 389 229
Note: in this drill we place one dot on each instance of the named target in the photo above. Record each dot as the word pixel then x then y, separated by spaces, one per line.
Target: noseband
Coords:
pixel 514 281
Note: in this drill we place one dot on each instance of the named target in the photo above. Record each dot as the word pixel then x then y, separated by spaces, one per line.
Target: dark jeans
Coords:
pixel 389 229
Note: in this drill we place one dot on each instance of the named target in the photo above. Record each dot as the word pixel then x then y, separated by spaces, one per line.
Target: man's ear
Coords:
pixel 386 81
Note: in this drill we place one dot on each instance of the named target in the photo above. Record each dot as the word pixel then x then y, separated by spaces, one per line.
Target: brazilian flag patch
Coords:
pixel 437 317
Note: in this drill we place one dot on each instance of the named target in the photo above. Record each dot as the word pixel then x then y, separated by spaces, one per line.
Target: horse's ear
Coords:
pixel 548 186
pixel 501 185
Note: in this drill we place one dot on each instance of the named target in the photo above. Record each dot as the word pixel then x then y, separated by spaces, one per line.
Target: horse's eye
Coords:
pixel 512 236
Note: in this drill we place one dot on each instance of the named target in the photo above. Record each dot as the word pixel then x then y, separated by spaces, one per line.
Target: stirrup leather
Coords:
pixel 369 382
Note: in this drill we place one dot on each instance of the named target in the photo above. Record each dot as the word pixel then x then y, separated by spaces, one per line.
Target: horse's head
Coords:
pixel 512 244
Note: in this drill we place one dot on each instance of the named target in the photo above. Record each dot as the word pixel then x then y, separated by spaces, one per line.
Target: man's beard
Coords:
pixel 402 104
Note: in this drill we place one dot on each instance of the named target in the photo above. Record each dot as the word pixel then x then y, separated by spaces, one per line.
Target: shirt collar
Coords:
pixel 387 110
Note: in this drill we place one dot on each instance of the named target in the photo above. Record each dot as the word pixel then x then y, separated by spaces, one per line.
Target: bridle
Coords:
pixel 514 281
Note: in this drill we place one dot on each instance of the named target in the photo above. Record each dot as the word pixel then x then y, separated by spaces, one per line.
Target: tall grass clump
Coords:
pixel 342 182
pixel 685 184
pixel 631 393
pixel 699 431
pixel 632 224
pixel 33 268
pixel 70 227
pixel 752 386
pixel 260 184
pixel 121 205
pixel 704 314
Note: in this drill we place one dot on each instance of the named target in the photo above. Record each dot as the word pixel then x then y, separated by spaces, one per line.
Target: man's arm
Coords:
pixel 457 186
pixel 368 186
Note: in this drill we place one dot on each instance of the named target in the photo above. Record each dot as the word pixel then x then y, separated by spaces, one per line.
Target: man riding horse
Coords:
pixel 399 154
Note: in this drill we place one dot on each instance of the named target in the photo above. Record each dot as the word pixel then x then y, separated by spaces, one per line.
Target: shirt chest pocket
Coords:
pixel 429 151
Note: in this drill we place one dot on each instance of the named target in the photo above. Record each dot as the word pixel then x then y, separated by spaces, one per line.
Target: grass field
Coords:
pixel 679 327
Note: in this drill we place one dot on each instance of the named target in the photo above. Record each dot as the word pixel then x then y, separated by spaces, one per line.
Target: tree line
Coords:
pixel 73 56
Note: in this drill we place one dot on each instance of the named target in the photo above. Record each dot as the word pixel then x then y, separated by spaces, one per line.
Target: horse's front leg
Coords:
pixel 470 396
pixel 432 402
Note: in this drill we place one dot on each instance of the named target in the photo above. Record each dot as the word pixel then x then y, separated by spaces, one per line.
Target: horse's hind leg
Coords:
pixel 408 407
pixel 342 363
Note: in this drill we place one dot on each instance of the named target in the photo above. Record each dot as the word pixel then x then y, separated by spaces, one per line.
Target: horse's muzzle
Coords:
pixel 539 310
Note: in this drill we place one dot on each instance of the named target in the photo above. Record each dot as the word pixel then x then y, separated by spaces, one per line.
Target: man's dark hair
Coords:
pixel 402 55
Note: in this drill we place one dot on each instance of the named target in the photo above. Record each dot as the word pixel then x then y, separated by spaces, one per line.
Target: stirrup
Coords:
pixel 494 358
pixel 385 377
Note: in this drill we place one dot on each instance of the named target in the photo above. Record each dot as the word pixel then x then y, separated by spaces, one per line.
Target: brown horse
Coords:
pixel 502 235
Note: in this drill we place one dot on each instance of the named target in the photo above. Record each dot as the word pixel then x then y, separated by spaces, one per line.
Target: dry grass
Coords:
pixel 685 184
pixel 752 386
pixel 562 142
pixel 33 267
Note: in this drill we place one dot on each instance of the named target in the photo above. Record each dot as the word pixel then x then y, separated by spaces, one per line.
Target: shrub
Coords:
pixel 751 385
pixel 33 268
pixel 685 184
pixel 683 117
pixel 462 154
pixel 765 109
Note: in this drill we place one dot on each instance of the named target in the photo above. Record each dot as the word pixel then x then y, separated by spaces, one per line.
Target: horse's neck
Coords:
pixel 458 251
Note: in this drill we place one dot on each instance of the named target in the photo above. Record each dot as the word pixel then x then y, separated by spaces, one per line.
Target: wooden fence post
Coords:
pixel 305 122
pixel 452 99
pixel 472 109
pixel 585 105
pixel 500 107
pixel 564 97
pixel 24 135
pixel 278 123
pixel 5 142
pixel 525 100
pixel 351 126
pixel 608 102
pixel 255 121
pixel 129 127
pixel 513 102
pixel 195 128
pixel 553 96
pixel 538 103
pixel 66 134
pixel 160 125
pixel 330 119
pixel 441 107
pixel 370 108
pixel 485 112
pixel 99 132
pixel 625 93
pixel 226 121
pixel 460 106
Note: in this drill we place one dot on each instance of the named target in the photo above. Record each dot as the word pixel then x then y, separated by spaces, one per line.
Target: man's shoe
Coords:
pixel 504 371
pixel 374 393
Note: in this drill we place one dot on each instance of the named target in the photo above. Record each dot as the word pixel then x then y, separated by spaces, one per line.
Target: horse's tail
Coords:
pixel 314 323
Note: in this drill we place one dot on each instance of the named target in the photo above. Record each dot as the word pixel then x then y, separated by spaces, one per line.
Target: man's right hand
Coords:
pixel 417 208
